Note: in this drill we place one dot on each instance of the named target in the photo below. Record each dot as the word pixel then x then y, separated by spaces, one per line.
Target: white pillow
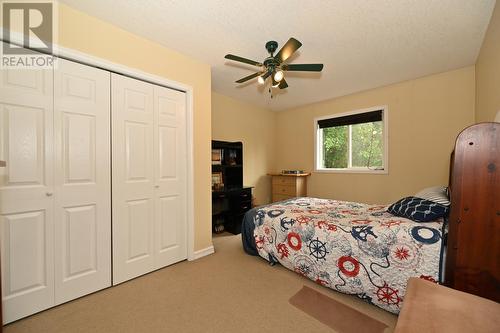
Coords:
pixel 437 194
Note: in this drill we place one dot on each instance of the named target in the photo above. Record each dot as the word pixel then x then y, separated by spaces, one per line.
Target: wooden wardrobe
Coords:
pixel 473 249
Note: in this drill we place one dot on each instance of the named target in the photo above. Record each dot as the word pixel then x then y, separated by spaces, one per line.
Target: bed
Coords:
pixel 363 250
pixel 350 247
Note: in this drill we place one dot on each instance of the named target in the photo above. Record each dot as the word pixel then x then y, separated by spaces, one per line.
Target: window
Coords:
pixel 352 142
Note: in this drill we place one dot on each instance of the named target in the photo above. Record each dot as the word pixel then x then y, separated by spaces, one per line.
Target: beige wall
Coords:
pixel 87 34
pixel 425 116
pixel 488 72
pixel 233 120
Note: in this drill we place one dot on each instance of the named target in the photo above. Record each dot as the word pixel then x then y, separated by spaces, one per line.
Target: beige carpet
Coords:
pixel 228 291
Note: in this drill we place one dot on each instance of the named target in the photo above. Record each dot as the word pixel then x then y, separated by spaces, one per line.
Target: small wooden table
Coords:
pixel 287 186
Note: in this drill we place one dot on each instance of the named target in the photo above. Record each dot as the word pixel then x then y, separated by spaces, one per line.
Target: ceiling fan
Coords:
pixel 274 66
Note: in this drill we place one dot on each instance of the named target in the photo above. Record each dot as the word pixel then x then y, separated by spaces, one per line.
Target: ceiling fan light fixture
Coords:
pixel 275 66
pixel 278 76
pixel 262 78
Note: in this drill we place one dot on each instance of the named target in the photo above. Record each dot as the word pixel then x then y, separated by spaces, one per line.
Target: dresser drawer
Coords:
pixel 245 206
pixel 245 195
pixel 281 197
pixel 284 189
pixel 283 180
pixel 240 201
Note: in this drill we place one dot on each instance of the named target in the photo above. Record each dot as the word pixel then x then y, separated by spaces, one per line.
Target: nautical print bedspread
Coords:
pixel 350 247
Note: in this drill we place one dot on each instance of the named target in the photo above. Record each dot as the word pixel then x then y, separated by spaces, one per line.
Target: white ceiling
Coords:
pixel 363 43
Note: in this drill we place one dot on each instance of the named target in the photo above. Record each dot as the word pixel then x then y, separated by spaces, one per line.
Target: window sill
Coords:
pixel 353 170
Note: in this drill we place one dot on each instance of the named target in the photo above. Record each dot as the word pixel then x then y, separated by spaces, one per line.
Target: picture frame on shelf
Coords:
pixel 217 182
pixel 217 156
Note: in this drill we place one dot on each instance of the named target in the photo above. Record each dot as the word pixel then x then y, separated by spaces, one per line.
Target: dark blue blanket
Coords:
pixel 247 228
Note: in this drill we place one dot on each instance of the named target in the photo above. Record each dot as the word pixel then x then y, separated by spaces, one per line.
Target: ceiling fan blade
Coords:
pixel 303 67
pixel 240 59
pixel 283 84
pixel 249 77
pixel 288 49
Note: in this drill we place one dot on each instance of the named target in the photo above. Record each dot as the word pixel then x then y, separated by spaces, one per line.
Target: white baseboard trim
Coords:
pixel 202 253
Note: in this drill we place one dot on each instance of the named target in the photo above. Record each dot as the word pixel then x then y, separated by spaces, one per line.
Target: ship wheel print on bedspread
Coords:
pixel 304 219
pixel 317 249
pixel 388 295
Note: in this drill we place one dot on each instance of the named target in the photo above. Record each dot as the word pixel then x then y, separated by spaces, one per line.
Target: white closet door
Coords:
pixel 170 176
pixel 26 191
pixel 82 180
pixel 133 178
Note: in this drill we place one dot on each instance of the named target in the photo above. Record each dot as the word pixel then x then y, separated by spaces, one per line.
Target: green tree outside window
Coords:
pixel 366 141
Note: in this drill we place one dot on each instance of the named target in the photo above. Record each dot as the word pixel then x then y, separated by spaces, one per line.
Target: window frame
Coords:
pixel 318 154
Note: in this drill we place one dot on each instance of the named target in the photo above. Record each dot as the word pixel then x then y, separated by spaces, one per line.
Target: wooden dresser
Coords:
pixel 288 186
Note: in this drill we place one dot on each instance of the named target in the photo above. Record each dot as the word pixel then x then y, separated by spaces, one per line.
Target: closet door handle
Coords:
pixel 49 194
pixel 157 186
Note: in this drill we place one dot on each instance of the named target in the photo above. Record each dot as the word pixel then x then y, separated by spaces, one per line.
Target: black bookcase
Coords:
pixel 231 200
